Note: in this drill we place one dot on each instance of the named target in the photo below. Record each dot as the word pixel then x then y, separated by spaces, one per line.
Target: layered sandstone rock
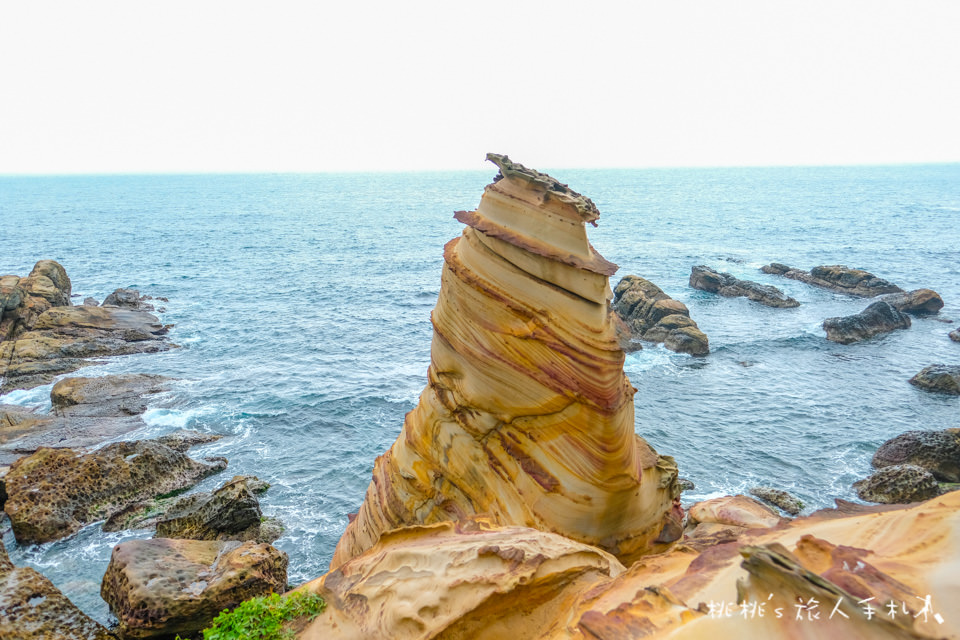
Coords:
pixel 527 416
pixel 650 314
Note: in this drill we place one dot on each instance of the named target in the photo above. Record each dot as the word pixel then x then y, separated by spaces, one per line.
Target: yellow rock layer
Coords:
pixel 527 417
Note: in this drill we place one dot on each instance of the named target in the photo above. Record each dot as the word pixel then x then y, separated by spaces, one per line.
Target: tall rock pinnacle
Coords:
pixel 527 417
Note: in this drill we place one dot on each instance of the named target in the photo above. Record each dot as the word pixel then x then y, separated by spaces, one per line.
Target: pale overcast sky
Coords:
pixel 132 86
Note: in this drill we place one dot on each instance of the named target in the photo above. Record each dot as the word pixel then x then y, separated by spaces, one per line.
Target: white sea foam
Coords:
pixel 175 418
pixel 38 397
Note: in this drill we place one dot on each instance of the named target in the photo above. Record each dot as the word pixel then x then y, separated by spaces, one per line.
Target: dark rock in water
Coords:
pixel 31 608
pixel 650 314
pixel 853 282
pixel 52 493
pixel 105 395
pixel 183 439
pixel 163 587
pixel 90 302
pixel 686 485
pixel 129 298
pixel 919 302
pixel 936 451
pixel 876 319
pixel 955 335
pixel 232 512
pixel 778 498
pixel 939 377
pixel 706 279
pixel 898 484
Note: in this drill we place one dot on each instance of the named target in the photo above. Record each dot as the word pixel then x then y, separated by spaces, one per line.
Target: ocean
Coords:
pixel 302 306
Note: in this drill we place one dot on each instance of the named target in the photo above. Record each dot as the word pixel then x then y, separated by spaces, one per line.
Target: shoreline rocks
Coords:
pixel 778 498
pixel 919 302
pixel 898 484
pixel 939 378
pixel 838 278
pixel 650 314
pixel 707 279
pixel 101 396
pixel 880 317
pixel 52 493
pixel 161 587
pixel 935 451
pixel 42 335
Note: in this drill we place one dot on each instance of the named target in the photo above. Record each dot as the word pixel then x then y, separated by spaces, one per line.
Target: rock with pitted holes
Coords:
pixel 936 451
pixel 52 493
pixel 898 484
pixel 940 378
pixel 778 498
pixel 162 587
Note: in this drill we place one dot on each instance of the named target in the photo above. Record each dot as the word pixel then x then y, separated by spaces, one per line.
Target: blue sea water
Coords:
pixel 302 306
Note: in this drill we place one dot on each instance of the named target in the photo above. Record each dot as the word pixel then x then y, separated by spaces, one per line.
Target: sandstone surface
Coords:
pixel 877 319
pixel 650 314
pixel 162 587
pixel 941 378
pixel 738 511
pixel 52 493
pixel 707 279
pixel 839 278
pixel 527 416
pixel 105 395
pixel 936 451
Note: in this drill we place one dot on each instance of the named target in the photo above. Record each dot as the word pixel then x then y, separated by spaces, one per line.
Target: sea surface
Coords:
pixel 302 306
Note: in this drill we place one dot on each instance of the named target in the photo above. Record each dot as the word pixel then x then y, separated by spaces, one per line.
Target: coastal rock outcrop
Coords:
pixel 32 608
pixel 527 416
pixel 129 298
pixel 955 335
pixel 778 498
pixel 941 378
pixel 650 314
pixel 919 302
pixel 162 587
pixel 852 282
pixel 707 279
pixel 105 395
pixel 936 451
pixel 42 335
pixel 898 484
pixel 880 317
pixel 458 580
pixel 52 493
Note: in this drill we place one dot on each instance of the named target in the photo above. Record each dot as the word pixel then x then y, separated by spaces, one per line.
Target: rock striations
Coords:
pixel 527 417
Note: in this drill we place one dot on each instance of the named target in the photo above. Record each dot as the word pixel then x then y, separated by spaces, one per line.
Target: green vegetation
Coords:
pixel 264 618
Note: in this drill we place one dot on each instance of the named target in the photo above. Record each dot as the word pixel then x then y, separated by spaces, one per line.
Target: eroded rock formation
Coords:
pixel 877 319
pixel 919 302
pixel 707 279
pixel 839 278
pixel 527 417
pixel 898 484
pixel 650 314
pixel 942 378
pixel 936 451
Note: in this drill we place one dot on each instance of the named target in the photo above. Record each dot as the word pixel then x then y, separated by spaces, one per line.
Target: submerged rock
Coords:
pixel 527 416
pixel 31 608
pixel 162 587
pixel 941 378
pixel 876 319
pixel 853 282
pixel 898 484
pixel 935 451
pixel 919 302
pixel 54 492
pixel 706 279
pixel 650 314
pixel 778 498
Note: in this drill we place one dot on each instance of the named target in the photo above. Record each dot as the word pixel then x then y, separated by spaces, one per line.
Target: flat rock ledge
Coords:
pixel 52 493
pixel 940 378
pixel 161 587
pixel 42 335
pixel 706 279
pixel 879 318
pixel 838 278
pixel 650 314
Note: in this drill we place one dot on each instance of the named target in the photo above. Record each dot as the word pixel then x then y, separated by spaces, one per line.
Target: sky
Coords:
pixel 210 86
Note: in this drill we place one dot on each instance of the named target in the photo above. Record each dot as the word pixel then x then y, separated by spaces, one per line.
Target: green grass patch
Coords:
pixel 265 617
